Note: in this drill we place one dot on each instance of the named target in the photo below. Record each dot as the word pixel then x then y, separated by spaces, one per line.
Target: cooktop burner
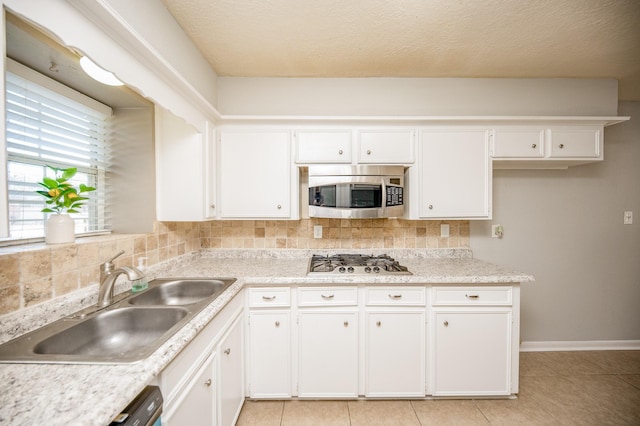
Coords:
pixel 356 264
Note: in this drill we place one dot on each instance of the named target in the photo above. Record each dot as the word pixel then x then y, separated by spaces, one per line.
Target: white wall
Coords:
pixel 417 96
pixel 566 228
pixel 132 191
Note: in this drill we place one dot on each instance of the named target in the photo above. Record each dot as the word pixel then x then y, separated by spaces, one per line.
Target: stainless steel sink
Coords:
pixel 129 330
pixel 116 332
pixel 181 292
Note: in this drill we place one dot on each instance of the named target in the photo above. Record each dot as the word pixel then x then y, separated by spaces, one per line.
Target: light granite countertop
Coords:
pixel 81 394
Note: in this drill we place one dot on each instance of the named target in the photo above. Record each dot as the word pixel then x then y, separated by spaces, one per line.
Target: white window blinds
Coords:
pixel 50 124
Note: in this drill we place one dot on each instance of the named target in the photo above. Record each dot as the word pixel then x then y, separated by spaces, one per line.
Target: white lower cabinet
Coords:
pixel 230 373
pixel 474 340
pixel 204 384
pixel 269 364
pixel 383 341
pixel 196 403
pixel 395 354
pixel 471 352
pixel 328 354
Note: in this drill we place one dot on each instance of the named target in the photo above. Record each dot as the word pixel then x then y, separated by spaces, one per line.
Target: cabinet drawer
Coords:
pixel 395 296
pixel 328 296
pixel 572 142
pixel 269 297
pixel 518 143
pixel 472 296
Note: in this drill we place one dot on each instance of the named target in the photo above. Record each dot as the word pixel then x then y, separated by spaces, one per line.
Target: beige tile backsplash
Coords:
pixel 31 274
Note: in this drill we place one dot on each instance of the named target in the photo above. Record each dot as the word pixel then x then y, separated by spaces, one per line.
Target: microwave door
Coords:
pixel 343 196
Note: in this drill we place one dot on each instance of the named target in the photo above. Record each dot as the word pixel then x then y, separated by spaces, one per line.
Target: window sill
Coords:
pixel 18 246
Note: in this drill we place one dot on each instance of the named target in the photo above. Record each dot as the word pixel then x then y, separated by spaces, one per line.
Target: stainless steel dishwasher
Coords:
pixel 144 410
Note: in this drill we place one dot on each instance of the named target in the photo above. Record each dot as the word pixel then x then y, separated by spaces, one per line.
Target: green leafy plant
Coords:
pixel 60 194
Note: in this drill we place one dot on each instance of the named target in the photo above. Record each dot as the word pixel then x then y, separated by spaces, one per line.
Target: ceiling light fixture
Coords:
pixel 98 73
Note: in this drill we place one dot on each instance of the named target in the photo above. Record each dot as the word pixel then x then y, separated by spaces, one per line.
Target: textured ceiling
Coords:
pixel 418 38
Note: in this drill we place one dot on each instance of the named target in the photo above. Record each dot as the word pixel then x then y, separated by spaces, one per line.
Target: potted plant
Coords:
pixel 62 198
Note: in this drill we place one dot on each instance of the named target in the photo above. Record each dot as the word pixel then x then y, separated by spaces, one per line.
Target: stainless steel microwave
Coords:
pixel 356 192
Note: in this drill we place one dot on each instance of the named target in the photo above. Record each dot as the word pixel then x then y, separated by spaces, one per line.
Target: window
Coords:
pixel 50 124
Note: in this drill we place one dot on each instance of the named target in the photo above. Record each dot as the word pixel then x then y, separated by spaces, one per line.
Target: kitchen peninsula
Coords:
pixel 94 394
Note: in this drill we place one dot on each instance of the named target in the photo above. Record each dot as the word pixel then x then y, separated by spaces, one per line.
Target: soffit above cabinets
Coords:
pixel 414 38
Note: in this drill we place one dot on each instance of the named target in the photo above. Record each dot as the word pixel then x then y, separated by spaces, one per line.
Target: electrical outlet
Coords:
pixel 444 230
pixel 496 231
pixel 317 231
pixel 628 218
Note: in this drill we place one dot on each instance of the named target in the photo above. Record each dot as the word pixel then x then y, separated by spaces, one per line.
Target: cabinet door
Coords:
pixel 255 174
pixel 576 142
pixel 329 146
pixel 395 354
pixel 180 189
pixel 472 352
pixel 519 142
pixel 270 354
pixel 455 174
pixel 210 168
pixel 385 146
pixel 328 354
pixel 196 404
pixel 231 384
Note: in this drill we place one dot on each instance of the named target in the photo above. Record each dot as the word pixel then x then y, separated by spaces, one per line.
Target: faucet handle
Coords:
pixel 120 253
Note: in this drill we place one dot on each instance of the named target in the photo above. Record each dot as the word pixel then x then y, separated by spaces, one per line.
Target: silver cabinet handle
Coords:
pixel 279 207
pixel 472 296
pixel 277 323
pixel 378 323
pixel 368 152
pixel 340 152
pixel 395 296
pixel 327 296
pixel 208 383
pixel 268 297
pixel 213 206
pixel 227 351
pixel 430 206
pixel 346 323
pixel 446 323
pixel 534 146
pixel 561 145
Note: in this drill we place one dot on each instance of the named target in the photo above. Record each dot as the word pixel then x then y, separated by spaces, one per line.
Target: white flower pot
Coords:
pixel 59 228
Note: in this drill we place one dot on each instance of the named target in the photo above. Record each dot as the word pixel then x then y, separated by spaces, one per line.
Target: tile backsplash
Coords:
pixel 30 274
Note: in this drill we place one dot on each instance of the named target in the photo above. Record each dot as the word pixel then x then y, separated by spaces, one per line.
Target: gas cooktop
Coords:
pixel 356 264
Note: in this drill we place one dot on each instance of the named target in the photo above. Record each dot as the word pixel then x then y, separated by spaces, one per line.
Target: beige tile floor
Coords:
pixel 556 388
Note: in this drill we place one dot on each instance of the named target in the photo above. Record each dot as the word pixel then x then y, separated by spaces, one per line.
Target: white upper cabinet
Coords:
pixel 255 174
pixel 371 146
pixel 546 147
pixel 323 146
pixel 454 173
pixel 519 142
pixel 184 169
pixel 386 146
pixel 575 142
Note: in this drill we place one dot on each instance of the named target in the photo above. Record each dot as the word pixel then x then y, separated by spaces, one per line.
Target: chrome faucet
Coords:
pixel 108 277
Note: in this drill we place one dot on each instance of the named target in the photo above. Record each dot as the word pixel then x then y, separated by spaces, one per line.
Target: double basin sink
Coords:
pixel 126 331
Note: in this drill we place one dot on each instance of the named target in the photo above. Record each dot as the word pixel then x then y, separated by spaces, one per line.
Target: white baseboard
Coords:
pixel 586 345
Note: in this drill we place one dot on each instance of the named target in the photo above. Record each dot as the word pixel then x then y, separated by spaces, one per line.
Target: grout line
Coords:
pixel 415 413
pixel 481 412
